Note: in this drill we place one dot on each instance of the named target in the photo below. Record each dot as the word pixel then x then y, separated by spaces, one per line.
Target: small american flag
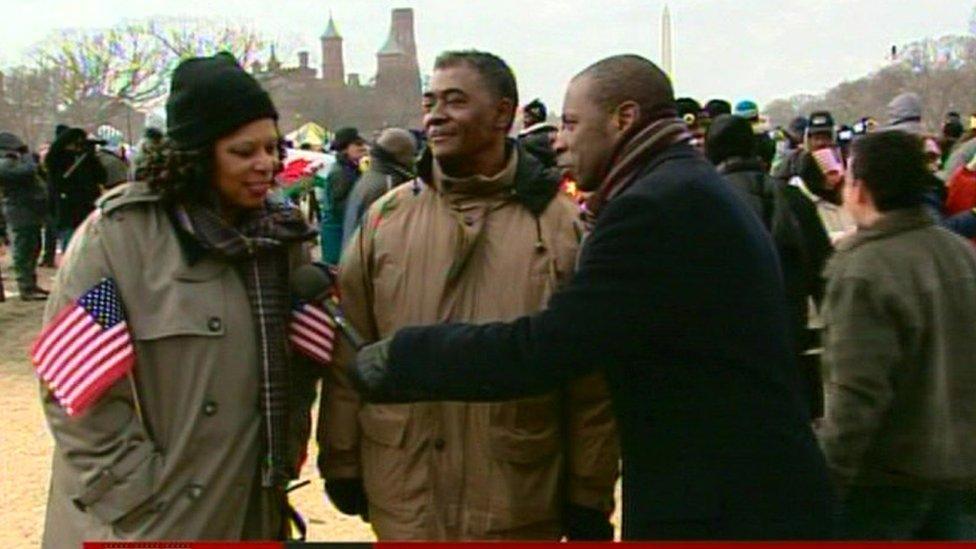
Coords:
pixel 85 349
pixel 312 331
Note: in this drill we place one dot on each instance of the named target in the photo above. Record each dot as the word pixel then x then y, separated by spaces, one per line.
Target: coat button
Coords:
pixel 439 444
pixel 214 324
pixel 210 408
pixel 194 491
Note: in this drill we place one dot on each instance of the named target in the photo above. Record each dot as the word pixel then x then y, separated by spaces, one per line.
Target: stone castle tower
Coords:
pixel 333 69
pixel 335 99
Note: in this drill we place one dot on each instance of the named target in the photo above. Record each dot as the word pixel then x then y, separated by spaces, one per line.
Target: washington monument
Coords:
pixel 667 54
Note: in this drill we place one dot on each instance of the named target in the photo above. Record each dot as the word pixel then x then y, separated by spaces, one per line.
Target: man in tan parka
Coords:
pixel 482 234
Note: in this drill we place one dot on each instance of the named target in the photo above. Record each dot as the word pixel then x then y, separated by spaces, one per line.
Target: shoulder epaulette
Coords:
pixel 125 195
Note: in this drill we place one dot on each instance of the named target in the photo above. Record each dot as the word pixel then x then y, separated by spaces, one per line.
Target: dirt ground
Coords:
pixel 26 444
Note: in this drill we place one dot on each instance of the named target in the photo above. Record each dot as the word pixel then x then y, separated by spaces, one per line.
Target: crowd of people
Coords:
pixel 46 195
pixel 766 333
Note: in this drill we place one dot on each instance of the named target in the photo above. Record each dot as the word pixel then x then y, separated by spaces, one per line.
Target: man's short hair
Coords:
pixel 495 72
pixel 629 77
pixel 893 167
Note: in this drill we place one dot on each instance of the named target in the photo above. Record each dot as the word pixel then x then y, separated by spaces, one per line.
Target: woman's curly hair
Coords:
pixel 182 175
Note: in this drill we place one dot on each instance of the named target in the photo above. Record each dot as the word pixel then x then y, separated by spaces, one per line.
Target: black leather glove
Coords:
pixel 348 496
pixel 585 524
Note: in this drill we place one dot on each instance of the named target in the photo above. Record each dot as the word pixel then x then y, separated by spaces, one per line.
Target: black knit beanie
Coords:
pixel 211 97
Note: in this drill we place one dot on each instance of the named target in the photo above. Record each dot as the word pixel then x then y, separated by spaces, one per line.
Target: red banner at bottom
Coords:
pixel 533 545
pixel 181 545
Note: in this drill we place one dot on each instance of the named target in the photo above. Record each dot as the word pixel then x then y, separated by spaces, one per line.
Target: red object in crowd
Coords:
pixel 961 194
pixel 294 171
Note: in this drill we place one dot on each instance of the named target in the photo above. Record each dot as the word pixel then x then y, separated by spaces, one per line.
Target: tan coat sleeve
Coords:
pixel 338 426
pixel 107 447
pixel 593 449
pixel 593 455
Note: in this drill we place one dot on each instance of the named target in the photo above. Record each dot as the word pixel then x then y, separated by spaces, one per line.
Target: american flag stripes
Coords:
pixel 312 331
pixel 85 348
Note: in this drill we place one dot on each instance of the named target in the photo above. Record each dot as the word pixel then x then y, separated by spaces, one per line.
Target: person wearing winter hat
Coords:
pixel 350 149
pixel 75 177
pixel 24 204
pixel 690 111
pixel 765 146
pixel 796 130
pixel 392 159
pixel 788 141
pixel 536 135
pixel 535 112
pixel 712 110
pixel 717 107
pixel 200 439
pixel 905 114
pixel 747 109
pixel 820 131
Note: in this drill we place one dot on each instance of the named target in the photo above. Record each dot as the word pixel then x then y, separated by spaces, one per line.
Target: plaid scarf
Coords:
pixel 258 248
pixel 631 157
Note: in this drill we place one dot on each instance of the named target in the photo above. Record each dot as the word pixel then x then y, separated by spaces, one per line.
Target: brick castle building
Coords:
pixel 332 98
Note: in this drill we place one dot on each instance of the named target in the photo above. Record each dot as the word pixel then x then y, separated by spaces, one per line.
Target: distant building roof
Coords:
pixel 392 46
pixel 330 30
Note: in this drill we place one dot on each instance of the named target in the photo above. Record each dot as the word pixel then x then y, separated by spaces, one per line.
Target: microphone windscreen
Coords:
pixel 310 282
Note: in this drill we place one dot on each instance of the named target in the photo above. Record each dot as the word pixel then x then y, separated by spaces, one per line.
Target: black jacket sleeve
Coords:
pixel 963 224
pixel 601 316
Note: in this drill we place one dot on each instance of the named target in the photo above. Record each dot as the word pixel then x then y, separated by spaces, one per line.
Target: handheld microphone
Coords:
pixel 312 283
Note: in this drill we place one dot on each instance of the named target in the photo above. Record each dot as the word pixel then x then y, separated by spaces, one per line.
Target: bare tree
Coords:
pixel 98 69
pixel 183 37
pixel 109 75
pixel 942 72
pixel 28 103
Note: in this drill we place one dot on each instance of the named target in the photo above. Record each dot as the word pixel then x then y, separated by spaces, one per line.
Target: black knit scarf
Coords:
pixel 258 248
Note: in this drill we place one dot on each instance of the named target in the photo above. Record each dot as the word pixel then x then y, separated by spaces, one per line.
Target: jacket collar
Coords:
pixel 890 224
pixel 540 127
pixel 534 186
pixel 476 185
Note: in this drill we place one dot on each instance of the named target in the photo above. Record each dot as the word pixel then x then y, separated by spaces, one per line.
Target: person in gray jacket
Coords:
pixel 392 160
pixel 899 348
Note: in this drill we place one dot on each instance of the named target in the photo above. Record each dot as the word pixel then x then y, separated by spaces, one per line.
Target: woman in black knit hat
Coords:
pixel 199 438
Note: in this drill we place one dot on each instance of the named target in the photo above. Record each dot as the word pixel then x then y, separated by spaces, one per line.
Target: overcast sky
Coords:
pixel 758 49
